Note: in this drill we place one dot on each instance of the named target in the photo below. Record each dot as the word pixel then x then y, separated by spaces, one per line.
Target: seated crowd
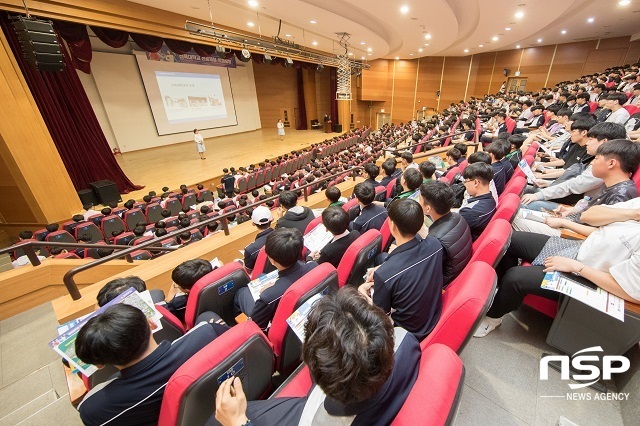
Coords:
pixel 582 162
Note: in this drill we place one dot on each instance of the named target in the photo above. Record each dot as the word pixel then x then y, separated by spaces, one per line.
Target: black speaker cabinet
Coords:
pixel 39 43
pixel 87 196
pixel 337 128
pixel 106 191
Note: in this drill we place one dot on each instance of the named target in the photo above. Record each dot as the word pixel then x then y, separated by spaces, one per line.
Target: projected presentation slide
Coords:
pixel 191 97
pixel 183 97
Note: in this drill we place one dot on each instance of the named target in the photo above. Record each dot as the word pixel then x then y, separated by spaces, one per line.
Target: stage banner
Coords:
pixel 165 54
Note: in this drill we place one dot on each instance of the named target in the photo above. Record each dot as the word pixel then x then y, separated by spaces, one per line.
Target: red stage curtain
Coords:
pixel 178 47
pixel 146 42
pixel 111 37
pixel 77 39
pixel 70 119
pixel 302 110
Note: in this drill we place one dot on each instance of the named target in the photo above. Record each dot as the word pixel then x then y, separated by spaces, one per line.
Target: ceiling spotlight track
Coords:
pixel 274 46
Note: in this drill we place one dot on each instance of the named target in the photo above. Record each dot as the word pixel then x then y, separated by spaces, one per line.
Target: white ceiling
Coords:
pixel 453 25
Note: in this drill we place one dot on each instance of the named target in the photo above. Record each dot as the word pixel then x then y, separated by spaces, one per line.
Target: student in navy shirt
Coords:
pixel 390 171
pixel 121 336
pixel 372 171
pixel 365 386
pixel 336 220
pixel 284 249
pixel 408 285
pixel 185 275
pixel 481 206
pixel 496 151
pixel 372 215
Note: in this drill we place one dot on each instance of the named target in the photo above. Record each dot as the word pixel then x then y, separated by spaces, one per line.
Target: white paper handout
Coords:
pixel 256 286
pixel 534 215
pixel 298 318
pixel 547 151
pixel 317 238
pixel 527 170
pixel 597 298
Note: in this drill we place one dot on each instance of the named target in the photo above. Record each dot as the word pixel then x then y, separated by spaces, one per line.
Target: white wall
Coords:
pixel 117 95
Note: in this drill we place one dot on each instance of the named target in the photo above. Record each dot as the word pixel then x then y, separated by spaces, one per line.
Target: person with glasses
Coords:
pixel 480 207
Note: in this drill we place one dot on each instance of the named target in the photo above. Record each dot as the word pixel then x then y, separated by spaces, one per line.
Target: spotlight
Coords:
pixel 288 62
pixel 319 68
pixel 220 52
pixel 267 58
pixel 245 55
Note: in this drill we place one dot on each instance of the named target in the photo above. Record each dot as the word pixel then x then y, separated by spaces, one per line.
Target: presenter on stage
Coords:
pixel 280 127
pixel 199 143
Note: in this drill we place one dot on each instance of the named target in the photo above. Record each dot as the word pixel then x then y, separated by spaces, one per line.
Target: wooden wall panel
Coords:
pixel 535 66
pixel 569 60
pixel 610 52
pixel 456 71
pixel 429 81
pixel 323 97
pixel 506 59
pixel 404 91
pixel 276 88
pixel 377 81
pixel 633 53
pixel 485 63
pixel 473 77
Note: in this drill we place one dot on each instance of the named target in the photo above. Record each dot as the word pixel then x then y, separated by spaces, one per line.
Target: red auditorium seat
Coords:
pixel 445 180
pixel 286 345
pixel 173 205
pixel 88 228
pixel 141 255
pixel 242 184
pixel 125 238
pixel 632 109
pixel 463 165
pixel 262 262
pixel 358 257
pixel 385 231
pixel 251 181
pixel 141 240
pixel 493 243
pixel 153 212
pixel 433 400
pixel 507 208
pixel 315 222
pixel 260 178
pixel 592 106
pixel 511 124
pixel 515 186
pixel 207 195
pixel 189 200
pixel 390 186
pixel 533 148
pixel 451 174
pixel 464 303
pixel 435 396
pixel 352 207
pixel 215 292
pixel 243 351
pixel 133 216
pixel 92 253
pixel 95 219
pixel 111 223
pixel 60 237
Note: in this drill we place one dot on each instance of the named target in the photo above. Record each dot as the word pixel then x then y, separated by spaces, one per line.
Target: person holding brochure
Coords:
pixel 121 336
pixel 336 220
pixel 609 257
pixel 284 248
pixel 362 369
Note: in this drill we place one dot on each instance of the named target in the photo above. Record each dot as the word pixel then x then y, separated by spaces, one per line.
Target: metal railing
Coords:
pixel 409 147
pixel 68 278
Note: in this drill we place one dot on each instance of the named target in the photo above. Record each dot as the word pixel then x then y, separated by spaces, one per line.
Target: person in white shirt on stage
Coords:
pixel 280 127
pixel 197 137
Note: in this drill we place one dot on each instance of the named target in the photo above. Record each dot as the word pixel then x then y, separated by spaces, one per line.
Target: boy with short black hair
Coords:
pixel 481 206
pixel 336 220
pixel 372 215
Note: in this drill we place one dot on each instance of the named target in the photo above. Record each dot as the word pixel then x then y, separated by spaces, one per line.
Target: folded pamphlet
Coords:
pixel 317 238
pixel 298 318
pixel 259 284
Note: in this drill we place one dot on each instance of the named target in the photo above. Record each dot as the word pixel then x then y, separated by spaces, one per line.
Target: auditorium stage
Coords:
pixel 173 165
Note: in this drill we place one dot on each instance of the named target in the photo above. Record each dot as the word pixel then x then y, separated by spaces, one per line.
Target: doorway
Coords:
pixel 516 84
pixel 382 119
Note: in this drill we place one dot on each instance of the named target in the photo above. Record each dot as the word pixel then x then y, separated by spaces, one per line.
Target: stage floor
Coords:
pixel 173 165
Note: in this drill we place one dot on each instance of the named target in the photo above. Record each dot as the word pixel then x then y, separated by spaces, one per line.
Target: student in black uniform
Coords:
pixel 284 248
pixel 496 151
pixel 336 220
pixel 408 285
pixel 228 183
pixel 185 275
pixel 481 206
pixel 372 215
pixel 121 336
pixel 363 379
pixel 294 216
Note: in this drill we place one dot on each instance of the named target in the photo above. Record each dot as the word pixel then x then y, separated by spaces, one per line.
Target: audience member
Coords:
pixel 372 215
pixel 261 218
pixel 294 216
pixel 480 207
pixel 336 220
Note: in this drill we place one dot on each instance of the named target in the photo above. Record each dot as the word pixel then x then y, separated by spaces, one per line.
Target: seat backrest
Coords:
pixel 632 109
pixel 40 235
pixel 153 212
pixel 315 222
pixel 261 265
pixel 464 303
pixel 385 231
pixel 92 253
pixel 173 205
pixel 125 238
pixel 95 219
pixel 189 200
pixel 141 240
pixel 463 165
pixel 592 106
pixel 492 243
pixel 286 345
pixel 390 186
pixel 60 237
pixel 507 207
pixel 359 256
pixel 451 174
pixel 260 178
pixel 242 183
pixel 172 327
pixel 435 396
pixel 141 255
pixel 352 207
pixel 381 193
pixel 243 351
pixel 89 228
pixel 515 186
pixel 111 223
pixel 511 124
pixel 133 216
pixel 215 292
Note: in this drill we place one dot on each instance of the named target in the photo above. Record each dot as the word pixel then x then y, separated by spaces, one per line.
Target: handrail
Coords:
pixel 395 150
pixel 73 288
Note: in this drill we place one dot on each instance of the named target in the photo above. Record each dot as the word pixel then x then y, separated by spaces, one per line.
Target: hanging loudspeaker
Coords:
pixel 245 55
pixel 267 58
pixel 319 68
pixel 220 52
pixel 39 43
pixel 288 62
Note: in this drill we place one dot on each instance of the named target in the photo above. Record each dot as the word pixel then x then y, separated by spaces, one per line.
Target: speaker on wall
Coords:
pixel 505 71
pixel 39 43
pixel 106 191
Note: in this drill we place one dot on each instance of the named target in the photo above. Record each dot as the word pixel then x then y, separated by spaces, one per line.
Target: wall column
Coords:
pixel 35 186
pixel 344 114
pixel 309 87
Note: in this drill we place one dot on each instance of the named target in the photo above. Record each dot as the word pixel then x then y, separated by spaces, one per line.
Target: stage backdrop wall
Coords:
pixel 119 100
